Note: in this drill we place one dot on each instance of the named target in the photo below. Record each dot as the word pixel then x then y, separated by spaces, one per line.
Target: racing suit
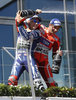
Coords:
pixel 42 43
pixel 20 63
pixel 45 43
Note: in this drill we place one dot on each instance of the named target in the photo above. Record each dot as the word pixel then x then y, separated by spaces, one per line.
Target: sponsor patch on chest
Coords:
pixel 44 41
pixel 41 49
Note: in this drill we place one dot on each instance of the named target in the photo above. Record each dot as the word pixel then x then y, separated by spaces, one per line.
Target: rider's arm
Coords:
pixel 23 14
pixel 29 13
pixel 34 34
pixel 19 19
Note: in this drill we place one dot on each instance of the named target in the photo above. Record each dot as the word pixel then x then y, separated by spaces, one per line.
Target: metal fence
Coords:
pixel 66 77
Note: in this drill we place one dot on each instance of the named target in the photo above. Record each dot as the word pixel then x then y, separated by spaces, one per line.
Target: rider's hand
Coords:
pixel 18 16
pixel 38 11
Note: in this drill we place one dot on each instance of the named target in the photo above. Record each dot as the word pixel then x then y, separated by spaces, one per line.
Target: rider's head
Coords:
pixel 54 25
pixel 34 22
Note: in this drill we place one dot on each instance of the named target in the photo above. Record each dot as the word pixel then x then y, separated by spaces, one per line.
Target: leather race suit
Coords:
pixel 45 43
pixel 39 51
pixel 20 63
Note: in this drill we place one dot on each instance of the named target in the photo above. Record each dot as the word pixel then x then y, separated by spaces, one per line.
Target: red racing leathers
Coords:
pixel 45 43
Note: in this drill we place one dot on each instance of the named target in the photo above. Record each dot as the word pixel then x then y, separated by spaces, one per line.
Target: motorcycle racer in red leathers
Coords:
pixel 47 41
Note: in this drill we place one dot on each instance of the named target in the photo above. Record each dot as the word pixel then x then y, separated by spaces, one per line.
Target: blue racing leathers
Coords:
pixel 25 40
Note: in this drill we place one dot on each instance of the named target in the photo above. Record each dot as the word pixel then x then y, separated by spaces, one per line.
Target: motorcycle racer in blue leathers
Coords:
pixel 25 41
